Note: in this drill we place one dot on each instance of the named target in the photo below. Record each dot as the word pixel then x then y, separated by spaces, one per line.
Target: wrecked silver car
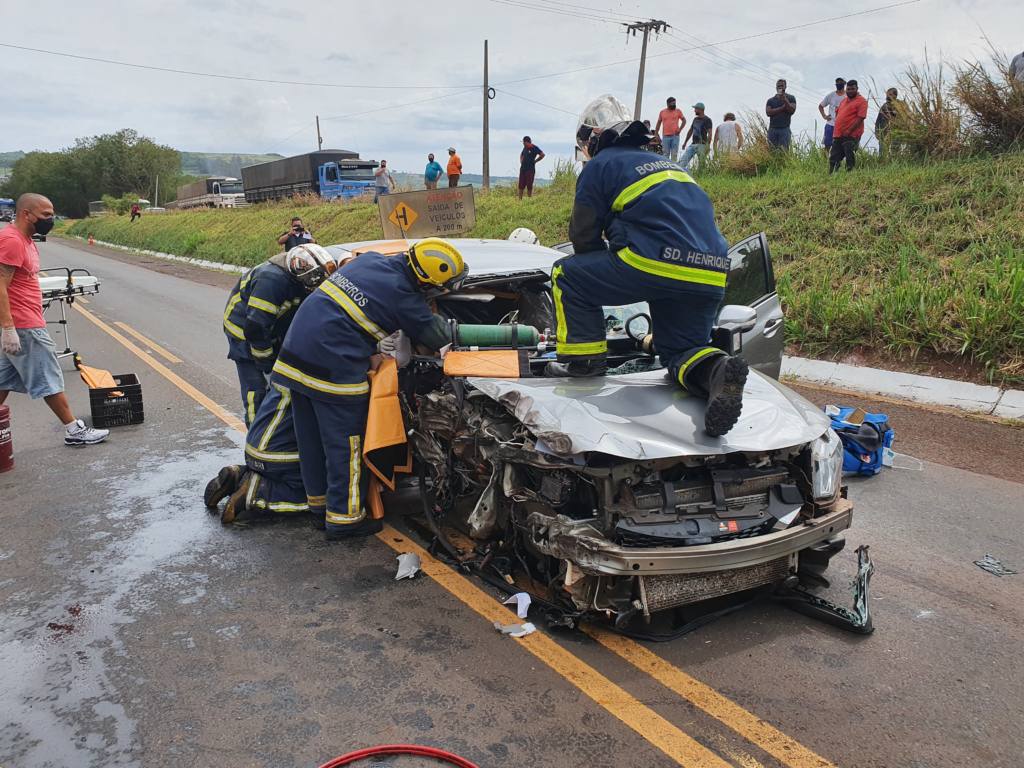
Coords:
pixel 604 496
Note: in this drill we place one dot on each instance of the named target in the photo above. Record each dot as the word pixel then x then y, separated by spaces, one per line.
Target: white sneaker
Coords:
pixel 79 434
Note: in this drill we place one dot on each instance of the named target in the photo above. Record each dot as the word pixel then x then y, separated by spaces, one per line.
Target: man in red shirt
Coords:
pixel 28 360
pixel 674 121
pixel 849 127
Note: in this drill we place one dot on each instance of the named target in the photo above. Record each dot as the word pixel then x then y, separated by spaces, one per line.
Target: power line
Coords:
pixel 560 12
pixel 534 101
pixel 719 42
pixel 221 76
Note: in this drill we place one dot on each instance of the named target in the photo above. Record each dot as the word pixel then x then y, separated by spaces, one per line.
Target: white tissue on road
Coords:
pixel 515 630
pixel 522 601
pixel 408 565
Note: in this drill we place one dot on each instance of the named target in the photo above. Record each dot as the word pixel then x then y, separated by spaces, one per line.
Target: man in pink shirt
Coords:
pixel 674 121
pixel 28 358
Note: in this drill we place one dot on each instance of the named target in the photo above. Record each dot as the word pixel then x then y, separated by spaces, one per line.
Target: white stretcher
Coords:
pixel 63 288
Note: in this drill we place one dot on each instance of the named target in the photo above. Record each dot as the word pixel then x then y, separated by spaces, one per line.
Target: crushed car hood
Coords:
pixel 645 416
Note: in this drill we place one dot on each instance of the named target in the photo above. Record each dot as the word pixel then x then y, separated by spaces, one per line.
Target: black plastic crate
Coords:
pixel 117 406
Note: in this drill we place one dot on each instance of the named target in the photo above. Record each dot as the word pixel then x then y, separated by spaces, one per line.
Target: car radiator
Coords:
pixel 661 592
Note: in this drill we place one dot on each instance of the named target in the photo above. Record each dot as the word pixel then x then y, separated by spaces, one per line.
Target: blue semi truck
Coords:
pixel 332 174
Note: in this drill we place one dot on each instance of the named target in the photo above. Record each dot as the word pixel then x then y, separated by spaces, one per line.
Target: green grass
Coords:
pixel 904 259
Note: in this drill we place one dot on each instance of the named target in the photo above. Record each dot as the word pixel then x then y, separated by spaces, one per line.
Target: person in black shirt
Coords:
pixel 296 235
pixel 780 109
pixel 528 159
pixel 700 133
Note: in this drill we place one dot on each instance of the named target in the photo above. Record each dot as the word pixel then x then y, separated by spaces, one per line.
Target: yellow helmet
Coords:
pixel 437 263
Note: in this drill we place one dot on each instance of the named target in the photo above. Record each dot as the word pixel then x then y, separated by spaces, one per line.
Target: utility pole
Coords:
pixel 487 126
pixel 156 197
pixel 652 25
pixel 319 138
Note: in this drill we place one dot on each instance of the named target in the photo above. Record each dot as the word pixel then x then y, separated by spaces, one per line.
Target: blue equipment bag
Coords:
pixel 863 444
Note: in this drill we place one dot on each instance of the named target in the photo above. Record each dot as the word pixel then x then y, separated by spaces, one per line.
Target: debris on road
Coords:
pixel 408 565
pixel 522 601
pixel 993 566
pixel 515 630
pixel 857 620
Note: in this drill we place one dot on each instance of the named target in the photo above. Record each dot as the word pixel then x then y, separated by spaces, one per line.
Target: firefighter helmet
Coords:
pixel 437 264
pixel 310 264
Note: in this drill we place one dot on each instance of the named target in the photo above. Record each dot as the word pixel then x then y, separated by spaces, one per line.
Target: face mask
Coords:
pixel 43 226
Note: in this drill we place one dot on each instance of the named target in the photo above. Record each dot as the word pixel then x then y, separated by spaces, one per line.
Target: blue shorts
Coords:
pixel 35 370
pixel 829 128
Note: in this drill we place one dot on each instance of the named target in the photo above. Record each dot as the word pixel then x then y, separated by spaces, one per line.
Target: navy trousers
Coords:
pixel 330 437
pixel 682 314
pixel 272 453
pixel 254 387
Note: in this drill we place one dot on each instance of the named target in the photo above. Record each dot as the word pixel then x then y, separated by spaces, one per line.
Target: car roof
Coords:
pixel 484 257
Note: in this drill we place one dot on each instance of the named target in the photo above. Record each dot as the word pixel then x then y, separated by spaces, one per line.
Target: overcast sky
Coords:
pixel 49 101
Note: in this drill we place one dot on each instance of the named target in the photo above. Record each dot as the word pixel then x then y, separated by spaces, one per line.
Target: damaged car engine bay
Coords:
pixel 655 545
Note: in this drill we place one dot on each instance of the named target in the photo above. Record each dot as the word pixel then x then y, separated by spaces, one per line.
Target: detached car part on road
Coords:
pixel 605 494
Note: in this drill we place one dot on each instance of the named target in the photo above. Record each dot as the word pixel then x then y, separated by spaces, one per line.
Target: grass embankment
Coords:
pixel 897 259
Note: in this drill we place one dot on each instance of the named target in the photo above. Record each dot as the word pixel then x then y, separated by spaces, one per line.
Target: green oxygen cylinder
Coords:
pixel 505 335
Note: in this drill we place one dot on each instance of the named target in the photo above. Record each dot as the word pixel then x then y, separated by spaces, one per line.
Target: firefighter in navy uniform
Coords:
pixel 259 311
pixel 327 354
pixel 663 247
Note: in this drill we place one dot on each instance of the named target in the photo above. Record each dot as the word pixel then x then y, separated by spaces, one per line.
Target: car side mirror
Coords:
pixel 733 321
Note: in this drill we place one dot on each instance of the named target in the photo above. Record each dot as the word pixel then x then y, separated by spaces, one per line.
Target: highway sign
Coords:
pixel 427 213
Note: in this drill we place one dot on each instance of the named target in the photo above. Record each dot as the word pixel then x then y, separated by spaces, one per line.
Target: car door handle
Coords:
pixel 772 326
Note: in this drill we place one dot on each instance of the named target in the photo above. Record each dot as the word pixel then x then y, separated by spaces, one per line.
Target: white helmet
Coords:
pixel 310 264
pixel 524 235
pixel 603 112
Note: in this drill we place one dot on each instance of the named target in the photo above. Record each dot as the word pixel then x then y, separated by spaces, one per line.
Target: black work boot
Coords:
pixel 725 395
pixel 577 369
pixel 236 504
pixel 223 485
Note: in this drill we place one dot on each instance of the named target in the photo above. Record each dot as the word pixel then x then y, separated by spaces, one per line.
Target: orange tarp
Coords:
pixel 385 449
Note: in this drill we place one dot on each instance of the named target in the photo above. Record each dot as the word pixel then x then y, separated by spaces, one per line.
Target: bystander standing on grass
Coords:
pixel 296 235
pixel 1017 67
pixel 728 136
pixel 383 182
pixel 672 120
pixel 454 167
pixel 699 137
pixel 432 172
pixel 849 128
pixel 528 159
pixel 780 109
pixel 827 109
pixel 887 114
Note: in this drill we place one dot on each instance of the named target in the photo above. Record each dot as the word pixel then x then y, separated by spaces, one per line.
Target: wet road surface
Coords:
pixel 136 631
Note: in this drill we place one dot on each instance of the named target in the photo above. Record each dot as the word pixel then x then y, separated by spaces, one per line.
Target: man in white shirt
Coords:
pixel 1017 67
pixel 384 182
pixel 831 102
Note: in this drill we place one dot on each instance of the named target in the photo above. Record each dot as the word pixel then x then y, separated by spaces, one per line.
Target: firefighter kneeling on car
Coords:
pixel 663 247
pixel 327 353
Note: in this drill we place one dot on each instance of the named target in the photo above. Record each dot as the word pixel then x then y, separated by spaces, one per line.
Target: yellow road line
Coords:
pixel 168 356
pixel 748 725
pixel 221 413
pixel 649 724
pixel 679 746
pixel 84 301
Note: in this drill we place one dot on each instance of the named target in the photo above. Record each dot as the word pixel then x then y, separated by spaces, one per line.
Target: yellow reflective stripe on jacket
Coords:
pixel 637 188
pixel 320 385
pixel 693 359
pixel 673 271
pixel 230 327
pixel 353 311
pixel 271 456
pixel 250 408
pixel 282 406
pixel 266 306
pixel 288 305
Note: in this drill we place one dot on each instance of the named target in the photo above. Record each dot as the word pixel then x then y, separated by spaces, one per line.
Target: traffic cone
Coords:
pixel 92 240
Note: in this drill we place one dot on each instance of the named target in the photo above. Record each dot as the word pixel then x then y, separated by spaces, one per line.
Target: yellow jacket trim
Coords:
pixel 230 327
pixel 320 385
pixel 637 188
pixel 693 359
pixel 266 306
pixel 673 271
pixel 353 311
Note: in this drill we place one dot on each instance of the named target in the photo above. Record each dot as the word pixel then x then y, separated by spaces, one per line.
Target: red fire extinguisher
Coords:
pixel 6 444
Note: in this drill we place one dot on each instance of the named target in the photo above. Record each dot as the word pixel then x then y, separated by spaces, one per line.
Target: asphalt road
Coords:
pixel 135 630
